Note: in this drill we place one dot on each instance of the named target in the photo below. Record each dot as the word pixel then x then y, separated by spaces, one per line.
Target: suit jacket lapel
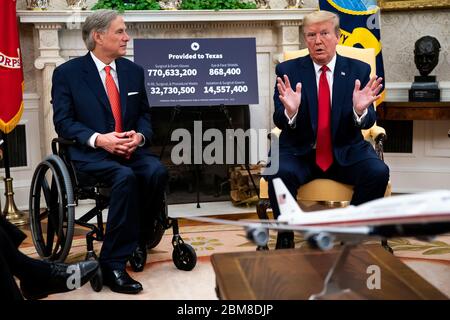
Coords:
pixel 309 87
pixel 95 82
pixel 122 75
pixel 340 85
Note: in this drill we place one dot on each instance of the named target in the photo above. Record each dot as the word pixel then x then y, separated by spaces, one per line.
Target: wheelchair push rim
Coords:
pixel 160 224
pixel 52 212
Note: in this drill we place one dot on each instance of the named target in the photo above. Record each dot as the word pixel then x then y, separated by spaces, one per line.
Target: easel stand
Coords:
pixel 224 110
pixel 175 112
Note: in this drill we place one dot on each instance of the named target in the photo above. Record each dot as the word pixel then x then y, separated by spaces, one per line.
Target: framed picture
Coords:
pixel 393 5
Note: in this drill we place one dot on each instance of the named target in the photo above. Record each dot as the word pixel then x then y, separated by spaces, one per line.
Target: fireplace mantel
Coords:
pixel 151 16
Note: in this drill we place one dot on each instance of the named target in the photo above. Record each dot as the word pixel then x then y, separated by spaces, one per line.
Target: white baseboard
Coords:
pixel 184 210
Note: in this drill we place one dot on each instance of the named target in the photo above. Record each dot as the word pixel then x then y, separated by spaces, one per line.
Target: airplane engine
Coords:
pixel 321 240
pixel 257 234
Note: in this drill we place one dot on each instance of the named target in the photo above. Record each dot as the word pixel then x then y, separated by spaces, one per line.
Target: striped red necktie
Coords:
pixel 114 99
pixel 324 152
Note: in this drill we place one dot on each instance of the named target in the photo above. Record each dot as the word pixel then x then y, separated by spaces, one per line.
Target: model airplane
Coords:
pixel 418 215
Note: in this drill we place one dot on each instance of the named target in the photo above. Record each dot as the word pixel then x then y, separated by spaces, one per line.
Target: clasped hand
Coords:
pixel 119 143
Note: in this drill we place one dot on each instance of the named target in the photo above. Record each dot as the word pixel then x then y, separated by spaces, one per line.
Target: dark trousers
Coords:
pixel 369 177
pixel 8 287
pixel 14 263
pixel 137 190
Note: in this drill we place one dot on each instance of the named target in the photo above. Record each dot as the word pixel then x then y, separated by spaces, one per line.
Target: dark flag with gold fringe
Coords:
pixel 360 27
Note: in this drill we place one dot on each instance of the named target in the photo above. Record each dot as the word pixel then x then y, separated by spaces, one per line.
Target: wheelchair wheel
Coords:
pixel 156 236
pixel 52 211
pixel 184 257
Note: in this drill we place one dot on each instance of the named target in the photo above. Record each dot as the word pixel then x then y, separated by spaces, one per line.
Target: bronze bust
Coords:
pixel 426 54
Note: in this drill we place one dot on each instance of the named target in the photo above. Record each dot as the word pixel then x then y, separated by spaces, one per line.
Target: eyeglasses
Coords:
pixel 311 36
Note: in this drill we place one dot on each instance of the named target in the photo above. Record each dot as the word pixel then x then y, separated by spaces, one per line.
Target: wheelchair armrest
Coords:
pixel 62 142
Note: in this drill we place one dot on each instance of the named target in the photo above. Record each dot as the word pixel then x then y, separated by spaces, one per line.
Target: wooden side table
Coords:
pixel 296 274
pixel 414 110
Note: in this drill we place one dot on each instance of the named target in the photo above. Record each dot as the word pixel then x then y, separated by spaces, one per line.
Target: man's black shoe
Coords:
pixel 285 240
pixel 138 258
pixel 63 277
pixel 120 281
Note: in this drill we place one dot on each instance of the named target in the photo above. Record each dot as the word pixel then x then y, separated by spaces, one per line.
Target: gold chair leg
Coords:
pixel 386 246
pixel 261 208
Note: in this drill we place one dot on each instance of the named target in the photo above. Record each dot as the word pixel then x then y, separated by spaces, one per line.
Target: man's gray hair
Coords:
pixel 99 21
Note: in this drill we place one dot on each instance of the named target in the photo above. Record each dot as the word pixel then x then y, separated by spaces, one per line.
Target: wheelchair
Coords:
pixel 56 189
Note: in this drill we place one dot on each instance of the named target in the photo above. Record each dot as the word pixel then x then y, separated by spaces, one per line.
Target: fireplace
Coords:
pixel 193 181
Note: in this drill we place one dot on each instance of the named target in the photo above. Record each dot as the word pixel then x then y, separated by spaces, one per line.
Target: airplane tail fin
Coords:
pixel 289 208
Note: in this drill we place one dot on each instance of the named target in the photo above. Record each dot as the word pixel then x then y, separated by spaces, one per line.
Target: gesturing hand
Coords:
pixel 362 99
pixel 288 97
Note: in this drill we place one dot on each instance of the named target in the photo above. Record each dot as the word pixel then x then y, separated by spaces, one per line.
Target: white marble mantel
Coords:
pixel 61 16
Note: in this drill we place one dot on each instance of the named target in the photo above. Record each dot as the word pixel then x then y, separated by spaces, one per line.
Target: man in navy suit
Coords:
pixel 322 101
pixel 100 101
pixel 38 278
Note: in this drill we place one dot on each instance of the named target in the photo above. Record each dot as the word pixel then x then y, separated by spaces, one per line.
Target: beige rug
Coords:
pixel 162 280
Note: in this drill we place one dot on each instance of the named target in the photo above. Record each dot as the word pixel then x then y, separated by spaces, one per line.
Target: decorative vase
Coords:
pixel 77 4
pixel 169 4
pixel 38 4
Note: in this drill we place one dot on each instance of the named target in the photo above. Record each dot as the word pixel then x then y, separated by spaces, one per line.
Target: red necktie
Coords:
pixel 324 153
pixel 114 99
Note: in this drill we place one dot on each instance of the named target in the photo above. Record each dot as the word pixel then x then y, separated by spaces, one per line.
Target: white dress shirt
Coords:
pixel 330 76
pixel 101 70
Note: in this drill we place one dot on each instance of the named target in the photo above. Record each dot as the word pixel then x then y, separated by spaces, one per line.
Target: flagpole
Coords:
pixel 10 212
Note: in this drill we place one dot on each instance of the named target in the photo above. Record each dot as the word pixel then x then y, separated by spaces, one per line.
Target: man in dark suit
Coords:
pixel 37 278
pixel 100 101
pixel 322 101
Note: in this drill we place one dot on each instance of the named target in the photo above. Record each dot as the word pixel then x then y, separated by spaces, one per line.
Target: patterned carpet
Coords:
pixel 162 280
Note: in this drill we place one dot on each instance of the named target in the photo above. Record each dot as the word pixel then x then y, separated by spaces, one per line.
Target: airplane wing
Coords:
pixel 321 237
pixel 276 225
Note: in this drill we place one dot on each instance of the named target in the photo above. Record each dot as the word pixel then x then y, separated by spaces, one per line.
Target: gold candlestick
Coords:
pixel 10 212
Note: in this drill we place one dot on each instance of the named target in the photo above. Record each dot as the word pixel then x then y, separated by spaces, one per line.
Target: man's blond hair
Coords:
pixel 322 16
